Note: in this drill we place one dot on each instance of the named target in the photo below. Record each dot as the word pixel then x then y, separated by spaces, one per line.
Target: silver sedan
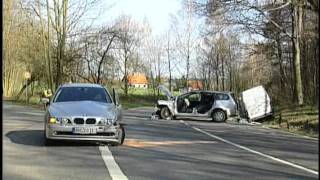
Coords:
pixel 83 112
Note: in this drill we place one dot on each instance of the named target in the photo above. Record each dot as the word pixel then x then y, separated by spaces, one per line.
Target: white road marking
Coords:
pixel 252 151
pixel 112 166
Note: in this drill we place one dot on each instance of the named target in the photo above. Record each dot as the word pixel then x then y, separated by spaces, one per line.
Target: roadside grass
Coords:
pixel 137 97
pixel 34 101
pixel 299 120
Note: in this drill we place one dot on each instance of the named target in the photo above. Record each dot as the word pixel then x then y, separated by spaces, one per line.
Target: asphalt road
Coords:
pixel 157 149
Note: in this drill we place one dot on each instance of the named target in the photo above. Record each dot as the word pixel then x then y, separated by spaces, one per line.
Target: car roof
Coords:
pixel 206 91
pixel 82 85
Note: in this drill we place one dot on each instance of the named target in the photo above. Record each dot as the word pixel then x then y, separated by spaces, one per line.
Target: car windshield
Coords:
pixel 66 94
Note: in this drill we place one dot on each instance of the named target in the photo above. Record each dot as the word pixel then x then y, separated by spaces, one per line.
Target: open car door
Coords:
pixel 256 102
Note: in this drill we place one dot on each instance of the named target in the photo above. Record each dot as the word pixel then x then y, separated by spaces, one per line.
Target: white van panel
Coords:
pixel 256 102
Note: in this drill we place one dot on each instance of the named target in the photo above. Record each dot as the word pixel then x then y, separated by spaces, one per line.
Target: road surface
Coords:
pixel 156 149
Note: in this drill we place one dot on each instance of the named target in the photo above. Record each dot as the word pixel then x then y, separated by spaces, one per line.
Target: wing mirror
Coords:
pixel 115 97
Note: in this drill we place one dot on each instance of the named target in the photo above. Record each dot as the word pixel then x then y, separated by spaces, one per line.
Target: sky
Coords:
pixel 156 11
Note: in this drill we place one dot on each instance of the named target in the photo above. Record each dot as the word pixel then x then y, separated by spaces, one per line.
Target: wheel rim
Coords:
pixel 166 114
pixel 219 116
pixel 120 134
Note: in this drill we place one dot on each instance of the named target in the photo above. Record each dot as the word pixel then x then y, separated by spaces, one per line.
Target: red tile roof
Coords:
pixel 137 79
pixel 194 84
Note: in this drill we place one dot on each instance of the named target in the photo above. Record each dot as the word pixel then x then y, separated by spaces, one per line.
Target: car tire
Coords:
pixel 120 138
pixel 165 113
pixel 219 116
pixel 49 142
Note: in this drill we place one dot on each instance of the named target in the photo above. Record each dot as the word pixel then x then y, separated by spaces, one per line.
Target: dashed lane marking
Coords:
pixel 112 166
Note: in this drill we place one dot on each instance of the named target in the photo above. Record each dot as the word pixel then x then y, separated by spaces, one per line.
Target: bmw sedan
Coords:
pixel 84 112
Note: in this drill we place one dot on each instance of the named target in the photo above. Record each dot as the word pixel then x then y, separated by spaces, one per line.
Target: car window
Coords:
pixel 207 97
pixel 66 94
pixel 194 97
pixel 221 96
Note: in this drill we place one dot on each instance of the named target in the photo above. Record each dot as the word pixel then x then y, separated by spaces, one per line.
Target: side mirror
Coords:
pixel 115 97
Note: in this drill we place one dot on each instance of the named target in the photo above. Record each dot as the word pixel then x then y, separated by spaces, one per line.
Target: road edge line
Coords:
pixel 252 151
pixel 111 165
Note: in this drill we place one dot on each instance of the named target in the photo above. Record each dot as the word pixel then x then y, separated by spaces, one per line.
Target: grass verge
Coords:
pixel 127 102
pixel 299 120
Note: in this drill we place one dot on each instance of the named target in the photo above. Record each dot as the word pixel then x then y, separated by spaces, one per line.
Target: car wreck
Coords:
pixel 219 106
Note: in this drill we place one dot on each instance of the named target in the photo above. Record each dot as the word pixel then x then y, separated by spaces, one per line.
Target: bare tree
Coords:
pixel 96 47
pixel 127 43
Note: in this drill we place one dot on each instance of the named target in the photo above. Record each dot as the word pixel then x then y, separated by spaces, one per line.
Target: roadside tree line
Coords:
pixel 227 45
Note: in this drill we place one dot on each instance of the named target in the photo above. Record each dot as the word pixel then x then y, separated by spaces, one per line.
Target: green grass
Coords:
pixel 138 97
pixel 300 120
pixel 34 101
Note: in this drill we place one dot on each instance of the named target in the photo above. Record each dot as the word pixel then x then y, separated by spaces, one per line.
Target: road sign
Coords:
pixel 27 75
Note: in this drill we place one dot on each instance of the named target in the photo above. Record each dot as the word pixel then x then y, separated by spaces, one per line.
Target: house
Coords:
pixel 195 85
pixel 138 80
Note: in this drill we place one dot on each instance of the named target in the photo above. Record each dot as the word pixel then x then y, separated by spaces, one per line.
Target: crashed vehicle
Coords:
pixel 255 104
pixel 83 112
pixel 216 105
pixel 197 104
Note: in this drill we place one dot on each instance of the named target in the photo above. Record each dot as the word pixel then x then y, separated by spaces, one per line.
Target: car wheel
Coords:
pixel 165 113
pixel 47 142
pixel 120 139
pixel 219 116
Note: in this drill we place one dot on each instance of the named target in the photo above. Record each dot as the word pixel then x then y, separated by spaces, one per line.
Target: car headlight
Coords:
pixel 65 121
pixel 52 120
pixel 107 121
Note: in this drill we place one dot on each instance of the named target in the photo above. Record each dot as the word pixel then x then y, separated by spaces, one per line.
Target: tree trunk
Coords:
pixel 169 63
pixel 222 62
pixel 282 74
pixel 48 50
pixel 297 39
pixel 159 74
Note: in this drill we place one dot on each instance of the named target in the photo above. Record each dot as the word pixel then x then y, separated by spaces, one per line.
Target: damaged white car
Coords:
pixel 218 106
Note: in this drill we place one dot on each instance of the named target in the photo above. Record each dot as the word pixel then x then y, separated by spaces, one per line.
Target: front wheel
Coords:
pixel 165 113
pixel 219 116
pixel 48 142
pixel 121 136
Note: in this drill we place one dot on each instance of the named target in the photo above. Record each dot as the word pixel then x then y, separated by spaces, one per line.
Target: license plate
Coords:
pixel 84 130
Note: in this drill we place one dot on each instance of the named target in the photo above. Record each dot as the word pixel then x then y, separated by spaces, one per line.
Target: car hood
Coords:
pixel 166 92
pixel 82 108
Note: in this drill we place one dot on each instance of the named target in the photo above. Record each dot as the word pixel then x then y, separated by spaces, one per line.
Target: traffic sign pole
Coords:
pixel 27 76
pixel 26 91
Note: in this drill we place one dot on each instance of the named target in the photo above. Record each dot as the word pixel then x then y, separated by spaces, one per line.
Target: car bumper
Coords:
pixel 104 134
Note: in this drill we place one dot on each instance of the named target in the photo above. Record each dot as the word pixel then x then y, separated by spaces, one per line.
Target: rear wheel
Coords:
pixel 165 113
pixel 219 116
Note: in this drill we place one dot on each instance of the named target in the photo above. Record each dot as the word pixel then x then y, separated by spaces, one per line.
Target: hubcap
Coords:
pixel 219 116
pixel 165 114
